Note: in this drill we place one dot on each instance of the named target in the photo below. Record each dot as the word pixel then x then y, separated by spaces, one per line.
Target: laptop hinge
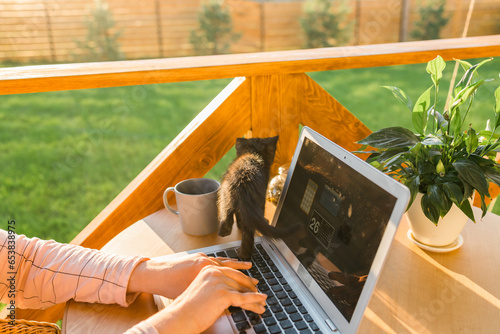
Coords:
pixel 331 325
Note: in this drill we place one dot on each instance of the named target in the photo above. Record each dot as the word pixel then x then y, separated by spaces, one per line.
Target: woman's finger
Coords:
pixel 240 278
pixel 250 301
pixel 214 261
pixel 257 308
pixel 231 263
pixel 239 285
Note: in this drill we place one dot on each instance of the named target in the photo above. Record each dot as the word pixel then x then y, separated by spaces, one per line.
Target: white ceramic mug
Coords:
pixel 196 205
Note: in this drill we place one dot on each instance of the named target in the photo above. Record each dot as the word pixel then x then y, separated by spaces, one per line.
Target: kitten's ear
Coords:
pixel 240 143
pixel 271 144
pixel 272 141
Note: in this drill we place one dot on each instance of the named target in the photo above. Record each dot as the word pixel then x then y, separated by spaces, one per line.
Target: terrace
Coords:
pixel 270 94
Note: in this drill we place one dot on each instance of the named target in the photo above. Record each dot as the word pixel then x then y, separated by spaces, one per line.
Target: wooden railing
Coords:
pixel 270 94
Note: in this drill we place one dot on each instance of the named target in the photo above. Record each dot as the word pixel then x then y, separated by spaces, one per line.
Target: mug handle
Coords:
pixel 165 200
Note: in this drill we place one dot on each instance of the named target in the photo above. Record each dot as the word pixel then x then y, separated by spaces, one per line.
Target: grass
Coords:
pixel 66 155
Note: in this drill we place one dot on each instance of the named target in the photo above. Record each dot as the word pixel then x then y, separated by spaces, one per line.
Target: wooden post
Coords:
pixel 275 111
pixel 280 103
pixel 158 28
pixel 262 27
pixel 403 25
pixel 357 28
pixel 49 32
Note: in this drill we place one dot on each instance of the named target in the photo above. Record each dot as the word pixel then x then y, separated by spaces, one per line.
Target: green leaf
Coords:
pixel 467 209
pixel 492 174
pixel 484 207
pixel 377 165
pixel 489 149
pixel 472 174
pixel 455 120
pixel 468 189
pixel 413 184
pixel 395 161
pixel 401 96
pixel 488 134
pixel 480 161
pixel 453 191
pixel 426 168
pixel 419 115
pixel 438 197
pixel 443 212
pixel 469 74
pixel 465 79
pixel 497 100
pixel 372 157
pixel 465 93
pixel 416 148
pixel 497 107
pixel 390 153
pixel 492 154
pixel 435 68
pixel 432 140
pixel 443 123
pixel 465 65
pixel 393 137
pixel 471 141
pixel 434 152
pixel 470 90
pixel 430 127
pixel 429 209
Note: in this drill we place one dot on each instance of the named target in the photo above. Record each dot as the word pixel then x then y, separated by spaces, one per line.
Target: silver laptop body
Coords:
pixel 347 213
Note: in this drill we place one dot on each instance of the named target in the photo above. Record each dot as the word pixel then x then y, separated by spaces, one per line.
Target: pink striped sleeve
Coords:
pixel 48 273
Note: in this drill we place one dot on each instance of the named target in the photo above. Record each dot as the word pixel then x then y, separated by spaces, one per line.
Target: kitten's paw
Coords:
pixel 224 230
pixel 245 254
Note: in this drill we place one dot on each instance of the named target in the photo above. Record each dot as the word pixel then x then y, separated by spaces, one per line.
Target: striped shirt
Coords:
pixel 45 273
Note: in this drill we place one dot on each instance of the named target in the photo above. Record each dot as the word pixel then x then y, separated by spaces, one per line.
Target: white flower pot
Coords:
pixel 444 233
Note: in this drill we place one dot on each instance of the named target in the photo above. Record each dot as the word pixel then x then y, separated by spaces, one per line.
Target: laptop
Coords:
pixel 320 277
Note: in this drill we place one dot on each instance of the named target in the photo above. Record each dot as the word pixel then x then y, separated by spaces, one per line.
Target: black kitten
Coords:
pixel 243 192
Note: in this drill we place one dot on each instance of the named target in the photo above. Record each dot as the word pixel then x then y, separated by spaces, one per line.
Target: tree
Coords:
pixel 101 43
pixel 215 32
pixel 431 21
pixel 325 23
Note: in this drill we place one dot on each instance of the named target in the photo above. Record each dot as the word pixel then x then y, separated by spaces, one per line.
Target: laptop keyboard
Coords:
pixel 284 310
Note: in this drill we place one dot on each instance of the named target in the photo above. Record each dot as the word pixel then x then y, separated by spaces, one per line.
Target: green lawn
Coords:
pixel 65 155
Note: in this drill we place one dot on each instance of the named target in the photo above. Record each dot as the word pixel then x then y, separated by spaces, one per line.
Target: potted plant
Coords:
pixel 444 160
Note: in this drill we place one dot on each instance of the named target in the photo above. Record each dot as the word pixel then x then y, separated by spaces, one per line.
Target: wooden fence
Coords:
pixel 47 30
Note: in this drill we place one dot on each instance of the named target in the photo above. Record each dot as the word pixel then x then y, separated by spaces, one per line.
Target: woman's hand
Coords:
pixel 170 278
pixel 211 292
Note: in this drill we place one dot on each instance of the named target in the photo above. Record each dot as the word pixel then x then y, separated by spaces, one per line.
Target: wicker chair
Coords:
pixel 28 327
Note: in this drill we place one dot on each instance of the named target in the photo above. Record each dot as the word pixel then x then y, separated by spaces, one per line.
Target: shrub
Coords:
pixel 101 43
pixel 325 23
pixel 431 21
pixel 215 32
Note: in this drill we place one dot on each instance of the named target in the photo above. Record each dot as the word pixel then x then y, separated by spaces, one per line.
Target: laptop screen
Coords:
pixel 342 217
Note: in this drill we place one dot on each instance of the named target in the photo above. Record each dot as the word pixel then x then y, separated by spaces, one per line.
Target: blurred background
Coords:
pixel 53 31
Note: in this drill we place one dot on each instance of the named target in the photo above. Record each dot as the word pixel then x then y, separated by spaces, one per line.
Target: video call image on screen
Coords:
pixel 342 215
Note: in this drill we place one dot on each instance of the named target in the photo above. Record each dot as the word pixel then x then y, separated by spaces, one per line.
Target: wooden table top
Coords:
pixel 418 291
